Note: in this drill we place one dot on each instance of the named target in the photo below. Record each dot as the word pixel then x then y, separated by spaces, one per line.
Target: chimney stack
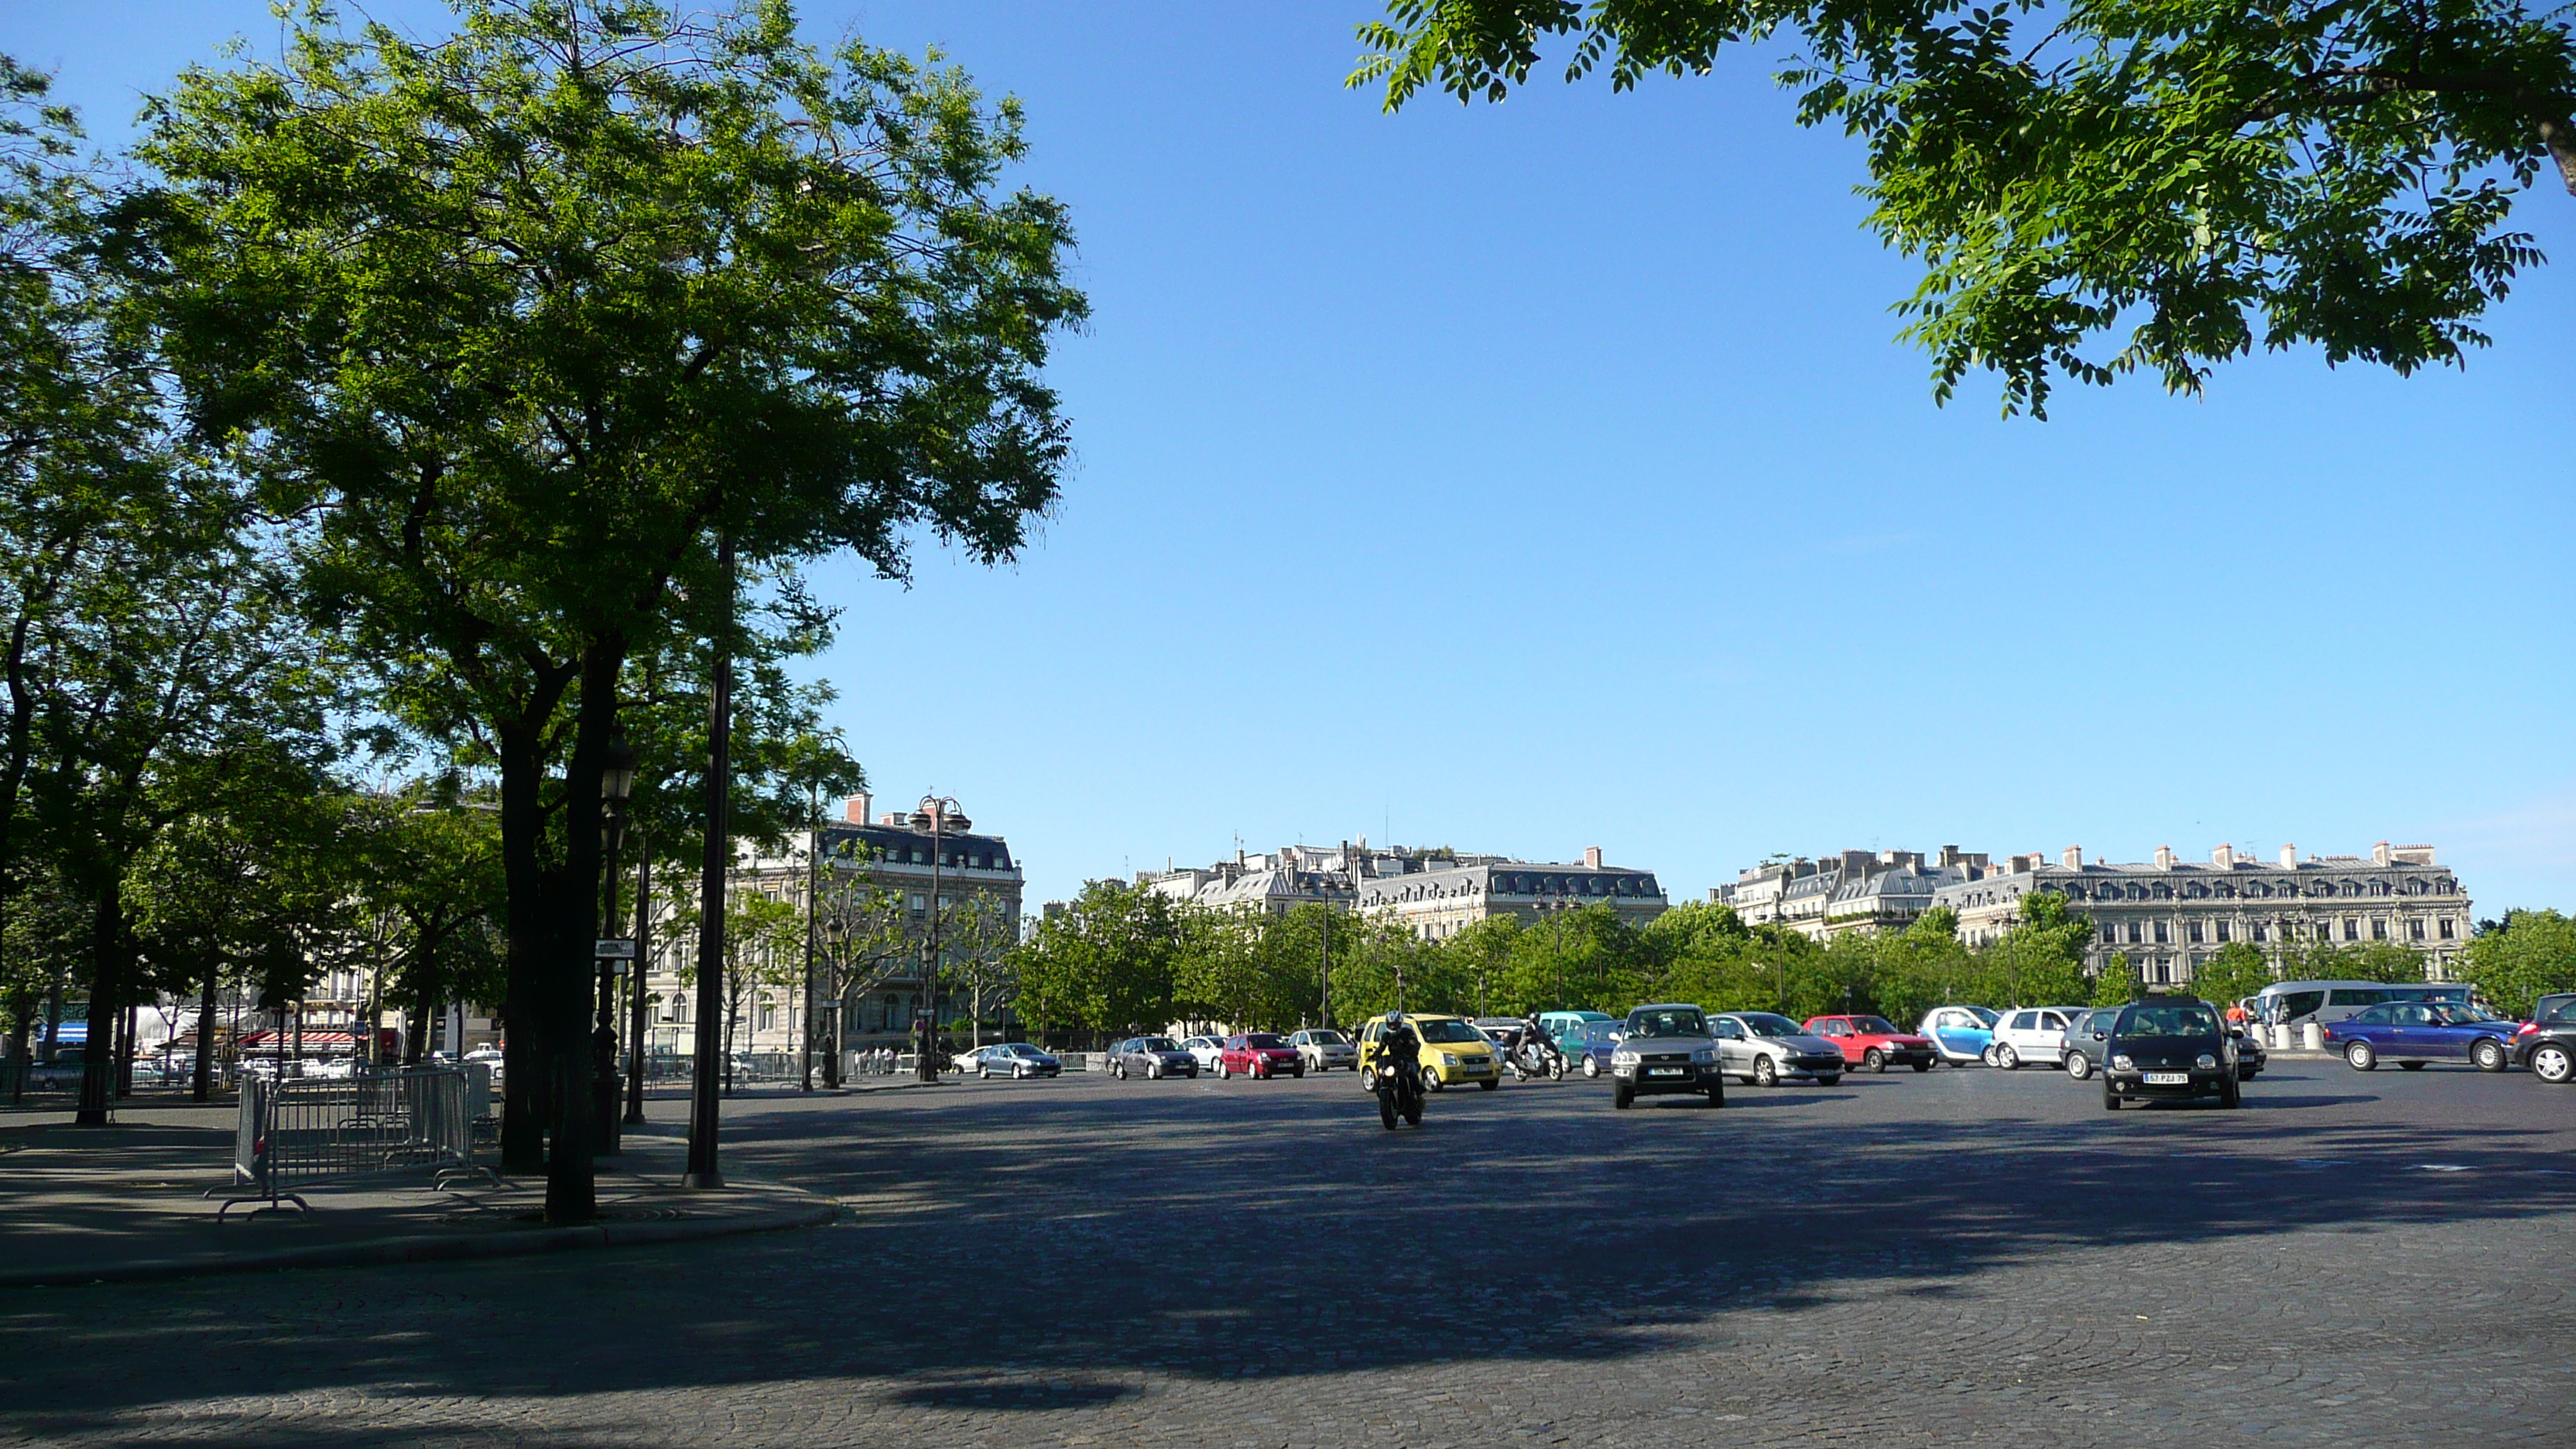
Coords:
pixel 2379 853
pixel 858 808
pixel 2289 856
pixel 2164 857
pixel 1592 857
pixel 2224 857
pixel 2073 859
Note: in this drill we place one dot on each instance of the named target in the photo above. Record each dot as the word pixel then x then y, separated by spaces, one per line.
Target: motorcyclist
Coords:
pixel 1395 1075
pixel 1536 1046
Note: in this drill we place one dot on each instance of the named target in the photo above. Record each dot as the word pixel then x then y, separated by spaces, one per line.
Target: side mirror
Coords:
pixel 2101 1036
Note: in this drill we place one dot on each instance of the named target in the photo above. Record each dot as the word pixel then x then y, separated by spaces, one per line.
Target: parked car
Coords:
pixel 2169 1049
pixel 1667 1048
pixel 486 1056
pixel 1960 1034
pixel 1204 1050
pixel 1150 1057
pixel 2088 1033
pixel 1591 1043
pixel 2292 1003
pixel 1258 1054
pixel 2415 1033
pixel 1873 1044
pixel 1766 1049
pixel 1016 1060
pixel 1322 1049
pixel 2031 1034
pixel 2547 1043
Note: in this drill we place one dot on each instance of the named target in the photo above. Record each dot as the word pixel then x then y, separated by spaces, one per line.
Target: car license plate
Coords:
pixel 2168 1079
pixel 1665 1071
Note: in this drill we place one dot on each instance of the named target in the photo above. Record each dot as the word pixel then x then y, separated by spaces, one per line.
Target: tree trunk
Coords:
pixel 571 1184
pixel 106 939
pixel 524 1058
pixel 204 1074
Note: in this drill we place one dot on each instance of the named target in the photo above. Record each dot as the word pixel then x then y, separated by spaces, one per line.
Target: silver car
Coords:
pixel 1321 1048
pixel 1766 1049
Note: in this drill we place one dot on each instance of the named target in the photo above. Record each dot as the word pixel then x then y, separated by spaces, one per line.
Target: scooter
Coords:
pixel 1537 1057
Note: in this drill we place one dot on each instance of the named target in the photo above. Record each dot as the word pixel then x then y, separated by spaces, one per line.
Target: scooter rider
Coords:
pixel 1399 1049
pixel 1536 1046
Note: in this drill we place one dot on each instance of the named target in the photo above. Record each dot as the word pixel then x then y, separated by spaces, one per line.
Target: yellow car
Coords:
pixel 1453 1051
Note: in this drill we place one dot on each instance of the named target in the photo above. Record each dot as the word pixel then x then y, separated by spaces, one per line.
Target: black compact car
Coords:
pixel 2547 1043
pixel 1152 1057
pixel 2169 1049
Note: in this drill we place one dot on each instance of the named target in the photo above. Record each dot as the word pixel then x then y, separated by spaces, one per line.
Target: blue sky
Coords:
pixel 1531 477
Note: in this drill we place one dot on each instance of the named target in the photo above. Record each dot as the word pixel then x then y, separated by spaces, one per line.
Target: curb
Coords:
pixel 429 1248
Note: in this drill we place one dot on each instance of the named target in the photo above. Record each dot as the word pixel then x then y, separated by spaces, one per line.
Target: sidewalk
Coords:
pixel 124 1203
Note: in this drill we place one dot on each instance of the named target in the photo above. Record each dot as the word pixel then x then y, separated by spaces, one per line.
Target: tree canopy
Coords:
pixel 2099 187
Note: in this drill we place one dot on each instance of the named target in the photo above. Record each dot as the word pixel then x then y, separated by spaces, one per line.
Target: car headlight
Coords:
pixel 1623 1058
pixel 1704 1055
pixel 2206 1061
pixel 2121 1063
pixel 1448 1059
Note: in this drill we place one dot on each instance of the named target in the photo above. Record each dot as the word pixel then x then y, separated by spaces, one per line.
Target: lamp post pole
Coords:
pixel 936 815
pixel 616 784
pixel 635 1003
pixel 813 879
pixel 703 1171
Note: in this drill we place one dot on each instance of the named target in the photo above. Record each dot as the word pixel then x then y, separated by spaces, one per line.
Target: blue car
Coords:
pixel 1960 1034
pixel 2413 1033
pixel 1591 1044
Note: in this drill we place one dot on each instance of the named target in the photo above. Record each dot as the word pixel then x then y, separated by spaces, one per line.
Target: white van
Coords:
pixel 2290 1003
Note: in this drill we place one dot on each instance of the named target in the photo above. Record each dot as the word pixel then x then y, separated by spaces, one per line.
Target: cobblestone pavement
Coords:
pixel 1964 1257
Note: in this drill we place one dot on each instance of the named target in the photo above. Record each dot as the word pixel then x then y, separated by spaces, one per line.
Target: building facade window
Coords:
pixel 2446 928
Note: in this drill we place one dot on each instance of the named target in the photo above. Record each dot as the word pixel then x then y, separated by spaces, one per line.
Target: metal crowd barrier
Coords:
pixel 295 1132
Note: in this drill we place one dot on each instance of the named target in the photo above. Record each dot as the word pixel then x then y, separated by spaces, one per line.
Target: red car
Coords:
pixel 1258 1054
pixel 1871 1044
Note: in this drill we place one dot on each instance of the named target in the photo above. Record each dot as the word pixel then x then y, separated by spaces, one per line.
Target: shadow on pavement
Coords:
pixel 1040 1249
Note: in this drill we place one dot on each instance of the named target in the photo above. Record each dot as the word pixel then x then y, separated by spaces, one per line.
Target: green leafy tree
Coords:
pixel 2235 971
pixel 2039 961
pixel 2106 188
pixel 2525 956
pixel 537 328
pixel 1104 964
pixel 2118 985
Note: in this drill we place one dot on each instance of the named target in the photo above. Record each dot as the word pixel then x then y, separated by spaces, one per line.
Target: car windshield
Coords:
pixel 2192 1020
pixel 2448 1015
pixel 1327 1038
pixel 1157 1044
pixel 1873 1025
pixel 1270 1039
pixel 1024 1050
pixel 1668 1021
pixel 2554 1009
pixel 1446 1030
pixel 1763 1023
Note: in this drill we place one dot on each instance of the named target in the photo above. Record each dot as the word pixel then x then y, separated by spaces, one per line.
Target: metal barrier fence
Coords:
pixel 295 1132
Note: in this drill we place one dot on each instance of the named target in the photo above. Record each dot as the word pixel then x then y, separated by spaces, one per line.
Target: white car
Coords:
pixel 1204 1050
pixel 1016 1059
pixel 2031 1034
pixel 1321 1048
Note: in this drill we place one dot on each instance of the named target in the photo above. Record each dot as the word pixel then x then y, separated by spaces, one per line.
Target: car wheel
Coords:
pixel 983 1074
pixel 1986 1055
pixel 1368 1079
pixel 2489 1055
pixel 1221 1070
pixel 1119 1071
pixel 2231 1093
pixel 1873 1060
pixel 1591 1068
pixel 1922 1066
pixel 1829 1079
pixel 1717 1093
pixel 2007 1058
pixel 1622 1096
pixel 1431 1081
pixel 1766 1073
pixel 1490 1083
pixel 1154 1073
pixel 2360 1057
pixel 2079 1066
pixel 2553 1063
pixel 2411 1066
pixel 2110 1099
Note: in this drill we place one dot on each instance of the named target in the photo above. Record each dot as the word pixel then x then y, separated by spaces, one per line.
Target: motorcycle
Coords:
pixel 1399 1094
pixel 1536 1056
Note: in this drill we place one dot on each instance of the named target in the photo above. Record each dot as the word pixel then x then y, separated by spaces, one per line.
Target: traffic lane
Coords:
pixel 1179 1244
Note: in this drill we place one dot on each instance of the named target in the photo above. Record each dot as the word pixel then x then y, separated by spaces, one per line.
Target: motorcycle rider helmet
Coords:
pixel 1393 1018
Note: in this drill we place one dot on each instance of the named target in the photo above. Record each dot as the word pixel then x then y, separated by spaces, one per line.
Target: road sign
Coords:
pixel 615 951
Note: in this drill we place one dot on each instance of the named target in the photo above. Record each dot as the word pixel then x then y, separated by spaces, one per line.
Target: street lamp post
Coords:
pixel 616 784
pixel 935 816
pixel 636 1007
pixel 1555 911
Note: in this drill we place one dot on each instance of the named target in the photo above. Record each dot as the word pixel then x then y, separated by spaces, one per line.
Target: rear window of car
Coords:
pixel 2554 1008
pixel 1158 1044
